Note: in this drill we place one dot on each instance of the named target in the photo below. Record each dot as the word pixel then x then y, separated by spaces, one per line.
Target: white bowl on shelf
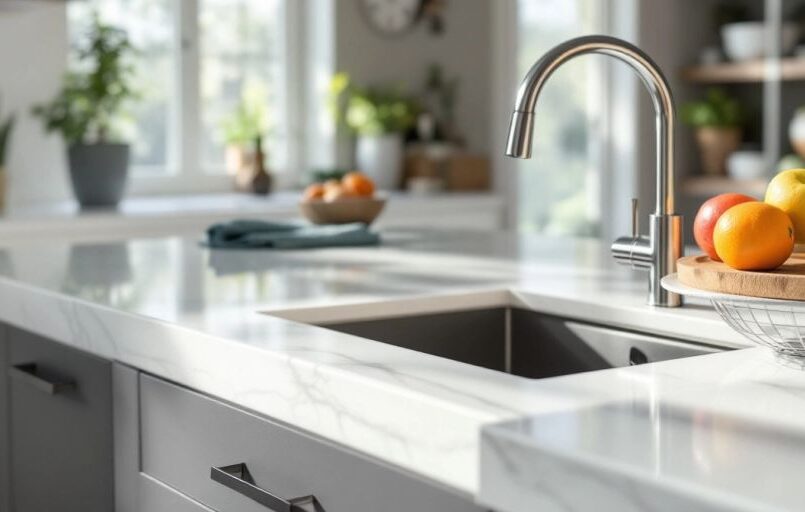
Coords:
pixel 746 40
pixel 746 165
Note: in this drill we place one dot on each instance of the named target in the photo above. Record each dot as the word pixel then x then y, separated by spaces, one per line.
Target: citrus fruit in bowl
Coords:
pixel 754 236
pixel 707 216
pixel 350 199
pixel 358 184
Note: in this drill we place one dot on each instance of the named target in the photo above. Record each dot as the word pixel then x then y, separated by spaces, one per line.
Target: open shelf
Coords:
pixel 791 69
pixel 706 186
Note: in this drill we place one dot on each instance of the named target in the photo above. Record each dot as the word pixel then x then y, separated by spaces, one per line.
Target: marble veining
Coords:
pixel 233 324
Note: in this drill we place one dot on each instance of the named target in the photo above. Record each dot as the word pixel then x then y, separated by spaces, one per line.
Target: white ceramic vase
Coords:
pixel 381 158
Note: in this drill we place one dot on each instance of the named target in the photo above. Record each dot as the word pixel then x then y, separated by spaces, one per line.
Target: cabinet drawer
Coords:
pixel 184 435
pixel 60 426
pixel 155 496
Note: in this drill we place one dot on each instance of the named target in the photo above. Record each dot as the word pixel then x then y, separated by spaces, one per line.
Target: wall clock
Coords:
pixel 391 17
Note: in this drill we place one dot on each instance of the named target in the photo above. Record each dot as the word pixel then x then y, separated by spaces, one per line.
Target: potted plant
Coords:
pixel 717 120
pixel 6 125
pixel 84 111
pixel 379 117
pixel 240 129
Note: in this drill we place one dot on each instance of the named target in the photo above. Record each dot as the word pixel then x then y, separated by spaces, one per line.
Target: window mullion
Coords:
pixel 293 104
pixel 316 143
pixel 188 89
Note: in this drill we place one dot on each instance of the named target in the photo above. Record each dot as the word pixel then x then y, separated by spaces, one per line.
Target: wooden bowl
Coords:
pixel 343 211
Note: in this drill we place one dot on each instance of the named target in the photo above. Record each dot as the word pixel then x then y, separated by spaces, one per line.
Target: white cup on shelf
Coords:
pixel 746 40
pixel 746 165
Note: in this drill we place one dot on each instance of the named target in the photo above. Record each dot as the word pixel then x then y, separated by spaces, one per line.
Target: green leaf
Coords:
pixel 91 99
pixel 717 109
pixel 371 110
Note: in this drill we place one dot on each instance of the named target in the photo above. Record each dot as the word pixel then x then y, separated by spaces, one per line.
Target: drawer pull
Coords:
pixel 28 373
pixel 238 478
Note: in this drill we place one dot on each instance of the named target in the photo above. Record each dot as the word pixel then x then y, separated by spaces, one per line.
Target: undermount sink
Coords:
pixel 520 341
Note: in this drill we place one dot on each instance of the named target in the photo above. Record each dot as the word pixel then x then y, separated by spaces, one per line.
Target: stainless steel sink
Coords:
pixel 521 342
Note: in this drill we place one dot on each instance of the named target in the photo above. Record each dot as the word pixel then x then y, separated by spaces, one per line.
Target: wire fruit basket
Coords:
pixel 775 323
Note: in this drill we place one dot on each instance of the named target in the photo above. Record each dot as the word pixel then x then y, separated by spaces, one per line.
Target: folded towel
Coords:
pixel 255 234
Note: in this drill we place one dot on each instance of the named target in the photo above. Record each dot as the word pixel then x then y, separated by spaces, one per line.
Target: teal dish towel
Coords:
pixel 257 234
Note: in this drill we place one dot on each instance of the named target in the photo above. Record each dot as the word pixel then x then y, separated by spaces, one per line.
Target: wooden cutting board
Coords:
pixel 786 282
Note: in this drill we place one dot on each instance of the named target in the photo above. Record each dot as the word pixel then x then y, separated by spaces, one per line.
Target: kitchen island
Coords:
pixel 244 330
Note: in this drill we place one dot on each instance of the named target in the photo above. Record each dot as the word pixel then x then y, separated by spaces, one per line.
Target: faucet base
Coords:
pixel 666 231
pixel 656 253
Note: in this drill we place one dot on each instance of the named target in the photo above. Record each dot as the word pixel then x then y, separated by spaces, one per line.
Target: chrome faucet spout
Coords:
pixel 659 252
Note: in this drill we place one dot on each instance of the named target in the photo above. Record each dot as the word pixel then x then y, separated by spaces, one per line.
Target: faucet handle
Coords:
pixel 635 220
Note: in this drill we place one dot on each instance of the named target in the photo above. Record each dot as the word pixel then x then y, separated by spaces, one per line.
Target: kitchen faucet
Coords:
pixel 659 251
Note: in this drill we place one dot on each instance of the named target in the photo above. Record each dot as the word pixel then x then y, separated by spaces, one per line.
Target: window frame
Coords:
pixel 184 172
pixel 613 136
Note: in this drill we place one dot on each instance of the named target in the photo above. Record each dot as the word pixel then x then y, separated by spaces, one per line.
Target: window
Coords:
pixel 566 162
pixel 196 61
pixel 240 61
pixel 151 32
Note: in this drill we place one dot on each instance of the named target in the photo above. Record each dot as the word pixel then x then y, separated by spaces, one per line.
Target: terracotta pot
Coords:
pixel 715 145
pixel 240 164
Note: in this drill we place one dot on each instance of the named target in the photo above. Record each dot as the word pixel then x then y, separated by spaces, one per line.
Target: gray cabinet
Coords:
pixel 155 496
pixel 136 491
pixel 58 436
pixel 81 434
pixel 5 442
pixel 183 436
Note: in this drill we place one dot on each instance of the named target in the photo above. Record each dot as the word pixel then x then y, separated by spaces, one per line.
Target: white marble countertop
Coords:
pixel 716 433
pixel 166 215
pixel 230 323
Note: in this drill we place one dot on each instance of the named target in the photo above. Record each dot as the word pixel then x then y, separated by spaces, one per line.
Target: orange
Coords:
pixel 708 215
pixel 331 188
pixel 313 192
pixel 358 184
pixel 334 191
pixel 754 236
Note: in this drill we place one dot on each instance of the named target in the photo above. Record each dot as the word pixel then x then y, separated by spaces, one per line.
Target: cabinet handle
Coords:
pixel 28 373
pixel 238 478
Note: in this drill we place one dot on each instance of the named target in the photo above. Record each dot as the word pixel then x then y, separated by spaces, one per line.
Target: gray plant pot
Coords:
pixel 98 173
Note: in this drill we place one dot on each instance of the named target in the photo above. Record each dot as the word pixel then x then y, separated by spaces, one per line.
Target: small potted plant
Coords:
pixel 379 117
pixel 717 120
pixel 240 129
pixel 6 125
pixel 84 111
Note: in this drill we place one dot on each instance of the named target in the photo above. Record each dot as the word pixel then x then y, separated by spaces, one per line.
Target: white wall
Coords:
pixel 463 50
pixel 33 53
